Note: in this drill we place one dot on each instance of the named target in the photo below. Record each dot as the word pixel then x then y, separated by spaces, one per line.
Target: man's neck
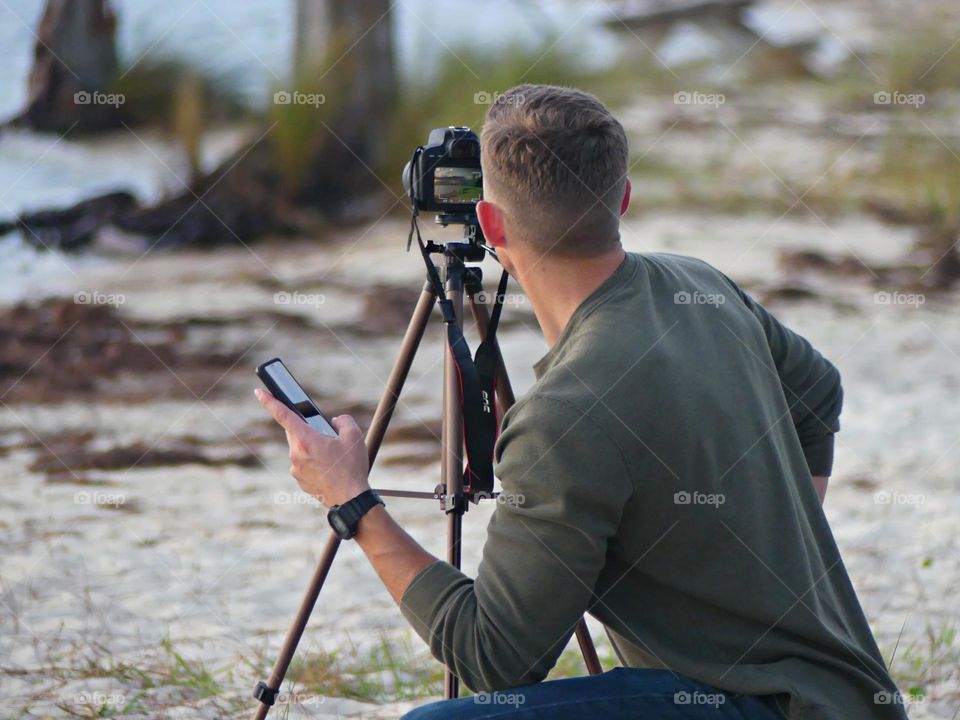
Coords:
pixel 558 286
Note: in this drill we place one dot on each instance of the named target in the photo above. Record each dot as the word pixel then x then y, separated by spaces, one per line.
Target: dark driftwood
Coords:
pixel 73 227
pixel 660 14
pixel 236 203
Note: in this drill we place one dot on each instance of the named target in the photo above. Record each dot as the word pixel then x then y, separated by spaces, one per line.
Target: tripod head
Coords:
pixel 472 249
pixel 472 235
pixel 463 251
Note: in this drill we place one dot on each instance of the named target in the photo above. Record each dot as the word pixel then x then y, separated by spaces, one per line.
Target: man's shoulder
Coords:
pixel 634 336
pixel 659 278
pixel 684 265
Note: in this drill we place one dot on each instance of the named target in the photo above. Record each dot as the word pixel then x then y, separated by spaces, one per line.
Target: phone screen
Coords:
pixel 298 397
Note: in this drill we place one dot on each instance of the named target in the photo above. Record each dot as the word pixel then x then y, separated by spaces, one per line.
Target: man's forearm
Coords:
pixel 396 557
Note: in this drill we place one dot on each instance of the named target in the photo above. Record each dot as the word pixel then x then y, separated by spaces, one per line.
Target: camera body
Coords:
pixel 444 175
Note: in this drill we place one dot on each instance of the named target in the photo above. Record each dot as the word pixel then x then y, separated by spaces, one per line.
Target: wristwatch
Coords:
pixel 345 518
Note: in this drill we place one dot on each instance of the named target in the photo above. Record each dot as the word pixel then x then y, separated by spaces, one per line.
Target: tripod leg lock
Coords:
pixel 265 694
pixel 458 504
pixel 447 312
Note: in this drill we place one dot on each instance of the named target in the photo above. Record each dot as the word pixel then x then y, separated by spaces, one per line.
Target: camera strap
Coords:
pixel 476 375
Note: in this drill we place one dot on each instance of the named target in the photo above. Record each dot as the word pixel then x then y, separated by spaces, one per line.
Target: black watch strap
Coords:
pixel 345 518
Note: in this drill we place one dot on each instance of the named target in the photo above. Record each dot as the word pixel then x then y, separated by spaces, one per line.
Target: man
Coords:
pixel 671 461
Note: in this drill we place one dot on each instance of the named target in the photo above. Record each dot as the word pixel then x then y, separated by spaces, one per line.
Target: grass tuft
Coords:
pixel 388 671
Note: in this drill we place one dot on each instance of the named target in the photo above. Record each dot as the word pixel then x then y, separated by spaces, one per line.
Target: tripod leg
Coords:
pixel 587 648
pixel 299 623
pixel 505 398
pixel 452 461
pixel 266 692
pixel 398 376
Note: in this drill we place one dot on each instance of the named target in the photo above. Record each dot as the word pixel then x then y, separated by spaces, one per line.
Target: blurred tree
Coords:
pixel 75 55
pixel 343 51
pixel 315 161
pixel 311 25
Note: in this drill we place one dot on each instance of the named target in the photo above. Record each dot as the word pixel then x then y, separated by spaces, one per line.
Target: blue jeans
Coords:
pixel 621 694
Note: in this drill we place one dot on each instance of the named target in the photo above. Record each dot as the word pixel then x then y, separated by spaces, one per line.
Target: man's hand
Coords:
pixel 332 469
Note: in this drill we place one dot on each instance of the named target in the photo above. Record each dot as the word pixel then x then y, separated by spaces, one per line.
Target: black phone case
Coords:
pixel 279 395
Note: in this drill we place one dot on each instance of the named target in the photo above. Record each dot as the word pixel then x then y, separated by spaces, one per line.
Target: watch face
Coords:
pixel 339 524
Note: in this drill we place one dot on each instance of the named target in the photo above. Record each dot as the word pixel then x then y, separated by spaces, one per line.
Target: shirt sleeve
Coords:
pixel 564 485
pixel 811 385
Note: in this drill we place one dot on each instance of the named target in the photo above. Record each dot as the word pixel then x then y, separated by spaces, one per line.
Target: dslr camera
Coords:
pixel 444 177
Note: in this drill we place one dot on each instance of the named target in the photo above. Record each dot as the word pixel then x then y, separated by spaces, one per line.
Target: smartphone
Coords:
pixel 285 388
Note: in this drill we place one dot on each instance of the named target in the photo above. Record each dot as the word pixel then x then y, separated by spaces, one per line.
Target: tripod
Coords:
pixel 457 279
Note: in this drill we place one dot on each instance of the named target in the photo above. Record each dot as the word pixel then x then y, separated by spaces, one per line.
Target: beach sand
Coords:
pixel 205 551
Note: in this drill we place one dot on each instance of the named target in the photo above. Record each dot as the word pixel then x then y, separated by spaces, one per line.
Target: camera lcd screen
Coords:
pixel 455 185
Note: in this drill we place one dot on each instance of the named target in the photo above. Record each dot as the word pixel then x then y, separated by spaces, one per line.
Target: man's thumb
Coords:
pixel 346 426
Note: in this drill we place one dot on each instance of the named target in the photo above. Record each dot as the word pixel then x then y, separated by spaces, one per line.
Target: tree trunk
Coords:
pixel 75 62
pixel 312 22
pixel 345 51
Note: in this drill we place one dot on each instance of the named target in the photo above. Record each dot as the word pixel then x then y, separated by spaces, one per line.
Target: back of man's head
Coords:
pixel 555 161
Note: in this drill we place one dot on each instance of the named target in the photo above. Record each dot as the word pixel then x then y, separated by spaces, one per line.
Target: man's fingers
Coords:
pixel 287 419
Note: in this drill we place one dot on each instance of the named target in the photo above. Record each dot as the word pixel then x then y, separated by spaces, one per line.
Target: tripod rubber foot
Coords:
pixel 265 694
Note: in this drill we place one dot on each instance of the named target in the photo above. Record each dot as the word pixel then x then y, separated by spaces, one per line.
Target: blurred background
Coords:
pixel 191 187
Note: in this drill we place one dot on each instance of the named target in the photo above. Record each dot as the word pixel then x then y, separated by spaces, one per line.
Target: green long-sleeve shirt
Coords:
pixel 658 476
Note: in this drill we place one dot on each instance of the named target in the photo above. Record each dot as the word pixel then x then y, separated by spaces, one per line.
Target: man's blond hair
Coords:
pixel 556 161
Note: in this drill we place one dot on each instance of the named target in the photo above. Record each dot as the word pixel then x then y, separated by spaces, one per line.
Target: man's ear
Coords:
pixel 625 203
pixel 491 222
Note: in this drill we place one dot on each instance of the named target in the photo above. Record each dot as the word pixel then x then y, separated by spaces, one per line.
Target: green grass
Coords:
pixel 570 664
pixel 920 173
pixel 187 674
pixel 152 88
pixel 388 671
pixel 923 55
pixel 444 91
pixel 173 669
pixel 397 669
pixel 394 670
pixel 448 92
pixel 298 135
pixel 923 663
